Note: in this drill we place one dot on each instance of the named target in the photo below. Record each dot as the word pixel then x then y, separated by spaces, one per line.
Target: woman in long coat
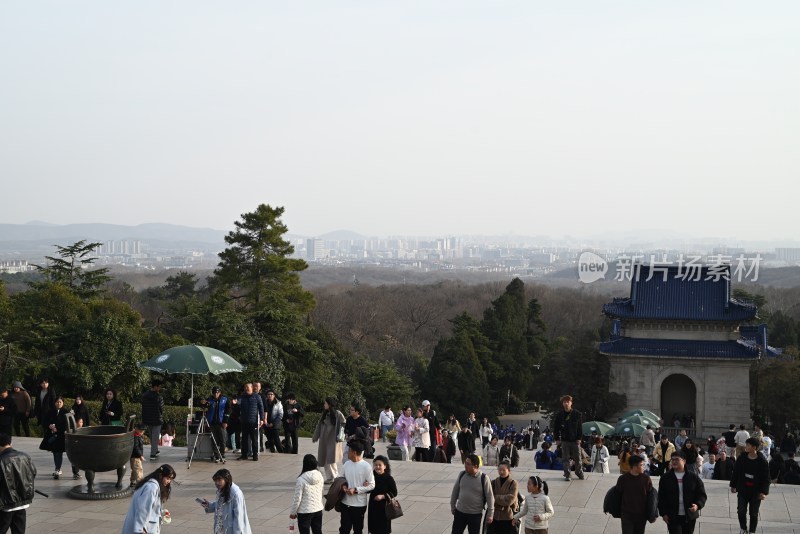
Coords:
pixel 385 488
pixel 329 449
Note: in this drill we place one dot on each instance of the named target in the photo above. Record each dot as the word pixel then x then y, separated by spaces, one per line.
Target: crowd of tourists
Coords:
pixel 366 494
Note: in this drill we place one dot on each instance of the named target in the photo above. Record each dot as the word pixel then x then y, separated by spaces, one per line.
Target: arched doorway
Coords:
pixel 678 396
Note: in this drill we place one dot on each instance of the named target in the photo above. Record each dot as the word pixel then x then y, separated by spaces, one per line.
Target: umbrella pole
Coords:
pixel 191 398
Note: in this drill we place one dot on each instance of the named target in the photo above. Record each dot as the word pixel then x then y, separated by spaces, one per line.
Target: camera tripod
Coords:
pixel 202 428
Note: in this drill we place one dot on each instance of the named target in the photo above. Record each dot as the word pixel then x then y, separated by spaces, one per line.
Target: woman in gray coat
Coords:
pixel 326 433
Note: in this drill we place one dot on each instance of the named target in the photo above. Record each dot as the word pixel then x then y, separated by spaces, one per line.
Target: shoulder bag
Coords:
pixel 393 508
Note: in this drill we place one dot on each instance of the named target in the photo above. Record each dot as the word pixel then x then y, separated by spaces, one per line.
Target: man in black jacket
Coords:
pixel 153 415
pixel 723 468
pixel 568 430
pixel 17 474
pixel 680 486
pixel 45 403
pixel 293 414
pixel 751 482
pixel 251 417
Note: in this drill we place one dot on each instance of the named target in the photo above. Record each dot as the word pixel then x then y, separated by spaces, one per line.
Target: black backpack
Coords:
pixel 612 503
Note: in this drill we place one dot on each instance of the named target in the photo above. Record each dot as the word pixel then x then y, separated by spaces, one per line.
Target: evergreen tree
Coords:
pixel 515 331
pixel 72 269
pixel 455 381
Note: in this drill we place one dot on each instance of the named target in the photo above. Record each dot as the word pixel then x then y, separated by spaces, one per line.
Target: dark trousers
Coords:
pixel 273 439
pixel 249 439
pixel 501 526
pixel 310 523
pixel 745 499
pixel 432 451
pixel 13 520
pixel 291 439
pixel 220 437
pixel 570 449
pixel 352 519
pixel 22 419
pixel 472 522
pixel 633 525
pixel 681 525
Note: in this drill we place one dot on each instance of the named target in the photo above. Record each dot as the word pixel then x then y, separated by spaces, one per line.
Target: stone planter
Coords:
pixel 394 452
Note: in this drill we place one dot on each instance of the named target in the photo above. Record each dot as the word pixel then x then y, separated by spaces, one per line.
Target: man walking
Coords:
pixel 740 438
pixel 274 415
pixel 292 419
pixel 568 430
pixel 360 482
pixel 434 428
pixel 45 404
pixel 632 489
pixel 648 439
pixel 386 420
pixel 251 416
pixel 472 493
pixel 750 482
pixel 681 495
pixel 17 474
pixel 153 415
pixel 23 411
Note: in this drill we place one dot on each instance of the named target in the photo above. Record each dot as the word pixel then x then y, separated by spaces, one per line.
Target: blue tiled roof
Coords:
pixel 674 348
pixel 703 295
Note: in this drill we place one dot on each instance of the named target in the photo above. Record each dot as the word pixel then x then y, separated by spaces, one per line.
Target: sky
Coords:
pixel 405 118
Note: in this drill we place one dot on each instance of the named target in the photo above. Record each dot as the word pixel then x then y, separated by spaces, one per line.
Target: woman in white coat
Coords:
pixel 230 512
pixel 421 437
pixel 307 504
pixel 599 457
pixel 146 509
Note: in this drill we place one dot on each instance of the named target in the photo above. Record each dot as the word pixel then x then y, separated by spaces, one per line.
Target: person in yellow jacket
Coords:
pixel 662 454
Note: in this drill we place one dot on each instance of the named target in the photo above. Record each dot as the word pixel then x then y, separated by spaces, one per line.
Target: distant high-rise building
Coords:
pixel 787 254
pixel 314 249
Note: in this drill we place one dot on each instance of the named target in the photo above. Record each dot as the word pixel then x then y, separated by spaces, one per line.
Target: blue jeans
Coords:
pixel 384 430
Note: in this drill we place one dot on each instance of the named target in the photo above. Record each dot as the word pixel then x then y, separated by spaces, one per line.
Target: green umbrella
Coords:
pixel 629 429
pixel 597 426
pixel 639 420
pixel 194 360
pixel 644 413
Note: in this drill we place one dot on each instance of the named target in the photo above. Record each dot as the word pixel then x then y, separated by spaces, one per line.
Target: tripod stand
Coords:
pixel 202 428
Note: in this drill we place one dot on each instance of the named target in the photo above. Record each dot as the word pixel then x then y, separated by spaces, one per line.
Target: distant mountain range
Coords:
pixel 70 233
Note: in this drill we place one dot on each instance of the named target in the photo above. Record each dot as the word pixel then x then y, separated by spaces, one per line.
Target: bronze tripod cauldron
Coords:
pixel 99 448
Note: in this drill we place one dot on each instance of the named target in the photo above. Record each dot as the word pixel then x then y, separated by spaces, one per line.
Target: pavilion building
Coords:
pixel 681 344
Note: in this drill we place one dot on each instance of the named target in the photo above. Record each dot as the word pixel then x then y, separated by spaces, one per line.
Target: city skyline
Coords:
pixel 455 118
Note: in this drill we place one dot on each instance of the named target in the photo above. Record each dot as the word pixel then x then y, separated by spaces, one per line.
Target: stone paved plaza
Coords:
pixel 424 492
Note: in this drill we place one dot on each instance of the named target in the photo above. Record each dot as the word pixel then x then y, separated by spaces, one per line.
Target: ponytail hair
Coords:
pixel 541 484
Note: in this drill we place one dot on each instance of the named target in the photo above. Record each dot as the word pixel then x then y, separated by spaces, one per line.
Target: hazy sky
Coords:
pixel 428 117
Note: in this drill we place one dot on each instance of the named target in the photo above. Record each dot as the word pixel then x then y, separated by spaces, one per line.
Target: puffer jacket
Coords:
pixel 536 504
pixel 307 493
pixel 18 472
pixel 251 409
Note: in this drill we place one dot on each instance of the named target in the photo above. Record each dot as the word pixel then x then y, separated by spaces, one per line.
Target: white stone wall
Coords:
pixel 723 387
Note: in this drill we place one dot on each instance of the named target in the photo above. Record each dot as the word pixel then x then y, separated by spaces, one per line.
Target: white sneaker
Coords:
pixel 58 472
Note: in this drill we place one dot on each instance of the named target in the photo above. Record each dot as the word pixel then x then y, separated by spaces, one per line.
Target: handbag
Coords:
pixel 393 508
pixel 340 437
